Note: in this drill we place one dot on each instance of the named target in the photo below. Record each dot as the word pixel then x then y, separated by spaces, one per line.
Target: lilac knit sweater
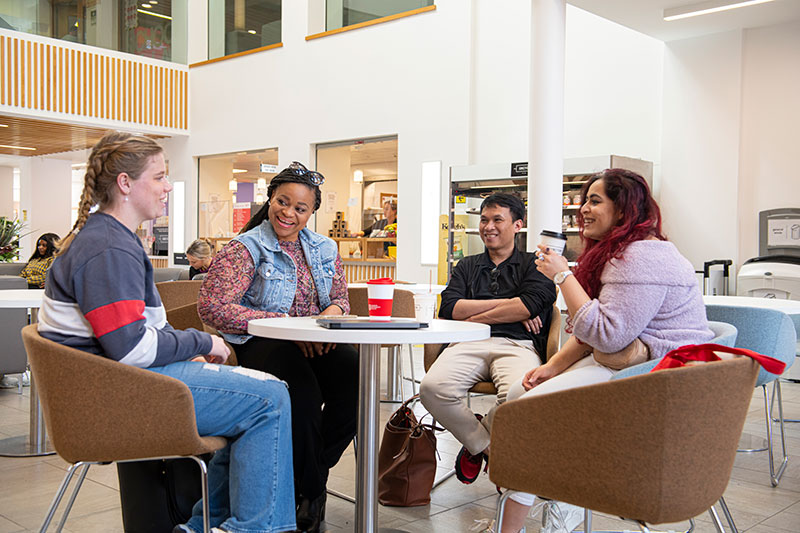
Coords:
pixel 650 293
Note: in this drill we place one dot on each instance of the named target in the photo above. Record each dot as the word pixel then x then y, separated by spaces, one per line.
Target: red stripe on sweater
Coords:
pixel 115 315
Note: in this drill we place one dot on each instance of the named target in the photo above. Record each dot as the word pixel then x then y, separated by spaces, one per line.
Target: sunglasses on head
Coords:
pixel 298 169
pixel 494 286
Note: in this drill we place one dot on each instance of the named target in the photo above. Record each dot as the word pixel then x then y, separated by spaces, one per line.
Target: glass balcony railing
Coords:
pixel 156 28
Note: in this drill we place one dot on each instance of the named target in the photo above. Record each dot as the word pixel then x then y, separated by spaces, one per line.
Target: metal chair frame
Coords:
pixel 83 466
pixel 587 519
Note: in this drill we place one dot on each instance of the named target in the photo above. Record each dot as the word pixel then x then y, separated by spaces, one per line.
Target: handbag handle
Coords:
pixel 706 353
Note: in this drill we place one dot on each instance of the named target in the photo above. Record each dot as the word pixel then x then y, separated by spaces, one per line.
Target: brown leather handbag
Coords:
pixel 406 460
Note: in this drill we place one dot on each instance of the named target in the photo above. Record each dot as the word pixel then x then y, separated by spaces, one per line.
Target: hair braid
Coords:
pixel 115 153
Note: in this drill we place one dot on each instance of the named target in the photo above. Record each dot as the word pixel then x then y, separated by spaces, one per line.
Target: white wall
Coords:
pixel 731 111
pixel 699 191
pixel 46 186
pixel 769 175
pixel 405 77
pixel 424 79
pixel 6 192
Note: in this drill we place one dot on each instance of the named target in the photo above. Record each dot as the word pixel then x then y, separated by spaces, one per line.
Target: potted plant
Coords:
pixel 9 239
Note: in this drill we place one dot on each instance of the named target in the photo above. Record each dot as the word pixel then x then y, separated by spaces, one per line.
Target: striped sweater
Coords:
pixel 100 298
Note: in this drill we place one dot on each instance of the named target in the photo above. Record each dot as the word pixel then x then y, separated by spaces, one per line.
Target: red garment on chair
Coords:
pixel 707 353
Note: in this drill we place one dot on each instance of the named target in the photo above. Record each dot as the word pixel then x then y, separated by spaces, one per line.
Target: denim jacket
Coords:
pixel 275 281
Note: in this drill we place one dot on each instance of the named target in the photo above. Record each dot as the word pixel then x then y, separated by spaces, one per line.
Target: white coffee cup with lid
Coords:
pixel 554 240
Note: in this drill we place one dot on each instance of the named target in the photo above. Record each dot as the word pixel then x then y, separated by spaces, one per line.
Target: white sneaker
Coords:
pixel 562 517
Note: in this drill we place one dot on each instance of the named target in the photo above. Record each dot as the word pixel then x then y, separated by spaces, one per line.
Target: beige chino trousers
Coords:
pixel 461 365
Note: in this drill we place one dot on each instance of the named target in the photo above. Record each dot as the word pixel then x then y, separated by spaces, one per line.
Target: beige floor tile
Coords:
pixel 7 526
pixel 30 483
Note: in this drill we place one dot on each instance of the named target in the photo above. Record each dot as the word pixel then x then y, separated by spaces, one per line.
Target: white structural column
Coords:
pixel 546 150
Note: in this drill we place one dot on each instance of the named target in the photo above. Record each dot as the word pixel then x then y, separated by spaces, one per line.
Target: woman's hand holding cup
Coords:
pixel 549 262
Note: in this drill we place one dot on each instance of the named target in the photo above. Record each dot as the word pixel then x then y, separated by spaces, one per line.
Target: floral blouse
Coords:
pixel 232 275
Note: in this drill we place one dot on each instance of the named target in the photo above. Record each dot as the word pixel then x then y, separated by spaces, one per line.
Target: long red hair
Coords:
pixel 641 219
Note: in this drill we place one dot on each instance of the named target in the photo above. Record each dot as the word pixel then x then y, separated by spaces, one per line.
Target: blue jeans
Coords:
pixel 250 480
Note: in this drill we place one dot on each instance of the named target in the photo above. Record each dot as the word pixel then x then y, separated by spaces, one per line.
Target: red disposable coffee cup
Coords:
pixel 380 293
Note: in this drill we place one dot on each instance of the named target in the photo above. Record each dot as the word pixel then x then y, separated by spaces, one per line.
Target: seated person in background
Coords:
pixel 389 217
pixel 100 298
pixel 633 297
pixel 500 287
pixel 277 266
pixel 35 271
pixel 199 256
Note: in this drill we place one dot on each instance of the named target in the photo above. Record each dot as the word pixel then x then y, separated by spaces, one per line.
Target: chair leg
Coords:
pixel 411 364
pixel 715 519
pixel 772 403
pixel 204 493
pixel 501 507
pixel 59 494
pixel 72 497
pixel 775 477
pixel 444 478
pixel 728 516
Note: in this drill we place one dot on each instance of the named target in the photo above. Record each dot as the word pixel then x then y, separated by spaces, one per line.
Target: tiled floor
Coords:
pixel 28 485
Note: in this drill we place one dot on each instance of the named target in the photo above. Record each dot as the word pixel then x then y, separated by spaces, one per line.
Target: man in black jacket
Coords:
pixel 500 287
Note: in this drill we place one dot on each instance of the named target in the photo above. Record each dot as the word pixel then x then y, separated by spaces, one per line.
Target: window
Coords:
pixel 341 13
pixel 156 29
pixel 239 25
pixel 231 188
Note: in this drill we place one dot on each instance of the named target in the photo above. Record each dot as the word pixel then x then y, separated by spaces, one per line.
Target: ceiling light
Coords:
pixel 238 170
pixel 233 185
pixel 251 32
pixel 146 6
pixel 159 15
pixel 3 125
pixel 261 184
pixel 704 8
pixel 358 176
pixel 153 2
pixel 16 147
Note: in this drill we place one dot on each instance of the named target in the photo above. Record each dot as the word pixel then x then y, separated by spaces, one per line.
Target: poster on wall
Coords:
pixel 241 214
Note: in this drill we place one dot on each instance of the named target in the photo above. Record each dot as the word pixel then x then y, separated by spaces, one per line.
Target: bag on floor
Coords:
pixel 406 460
pixel 707 353
pixel 158 495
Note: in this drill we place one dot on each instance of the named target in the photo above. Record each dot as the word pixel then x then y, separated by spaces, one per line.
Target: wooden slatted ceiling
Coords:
pixel 47 137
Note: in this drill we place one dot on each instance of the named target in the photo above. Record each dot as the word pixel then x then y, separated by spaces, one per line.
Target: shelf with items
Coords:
pixel 469 185
pixel 366 249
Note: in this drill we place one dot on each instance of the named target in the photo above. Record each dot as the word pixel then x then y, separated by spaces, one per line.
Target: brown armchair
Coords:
pixel 653 448
pixel 178 293
pixel 128 414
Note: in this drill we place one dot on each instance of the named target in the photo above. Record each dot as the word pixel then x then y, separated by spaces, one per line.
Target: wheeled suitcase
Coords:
pixel 715 282
pixel 158 495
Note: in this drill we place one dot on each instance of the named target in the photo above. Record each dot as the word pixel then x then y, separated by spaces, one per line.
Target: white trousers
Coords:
pixel 461 365
pixel 587 371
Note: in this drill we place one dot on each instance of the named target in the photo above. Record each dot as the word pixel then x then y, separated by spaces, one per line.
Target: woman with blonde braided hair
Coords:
pixel 100 298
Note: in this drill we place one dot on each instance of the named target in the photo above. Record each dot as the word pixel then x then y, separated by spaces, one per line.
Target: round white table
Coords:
pixel 369 341
pixel 35 443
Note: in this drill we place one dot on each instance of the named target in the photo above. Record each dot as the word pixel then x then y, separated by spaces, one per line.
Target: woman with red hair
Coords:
pixel 633 297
